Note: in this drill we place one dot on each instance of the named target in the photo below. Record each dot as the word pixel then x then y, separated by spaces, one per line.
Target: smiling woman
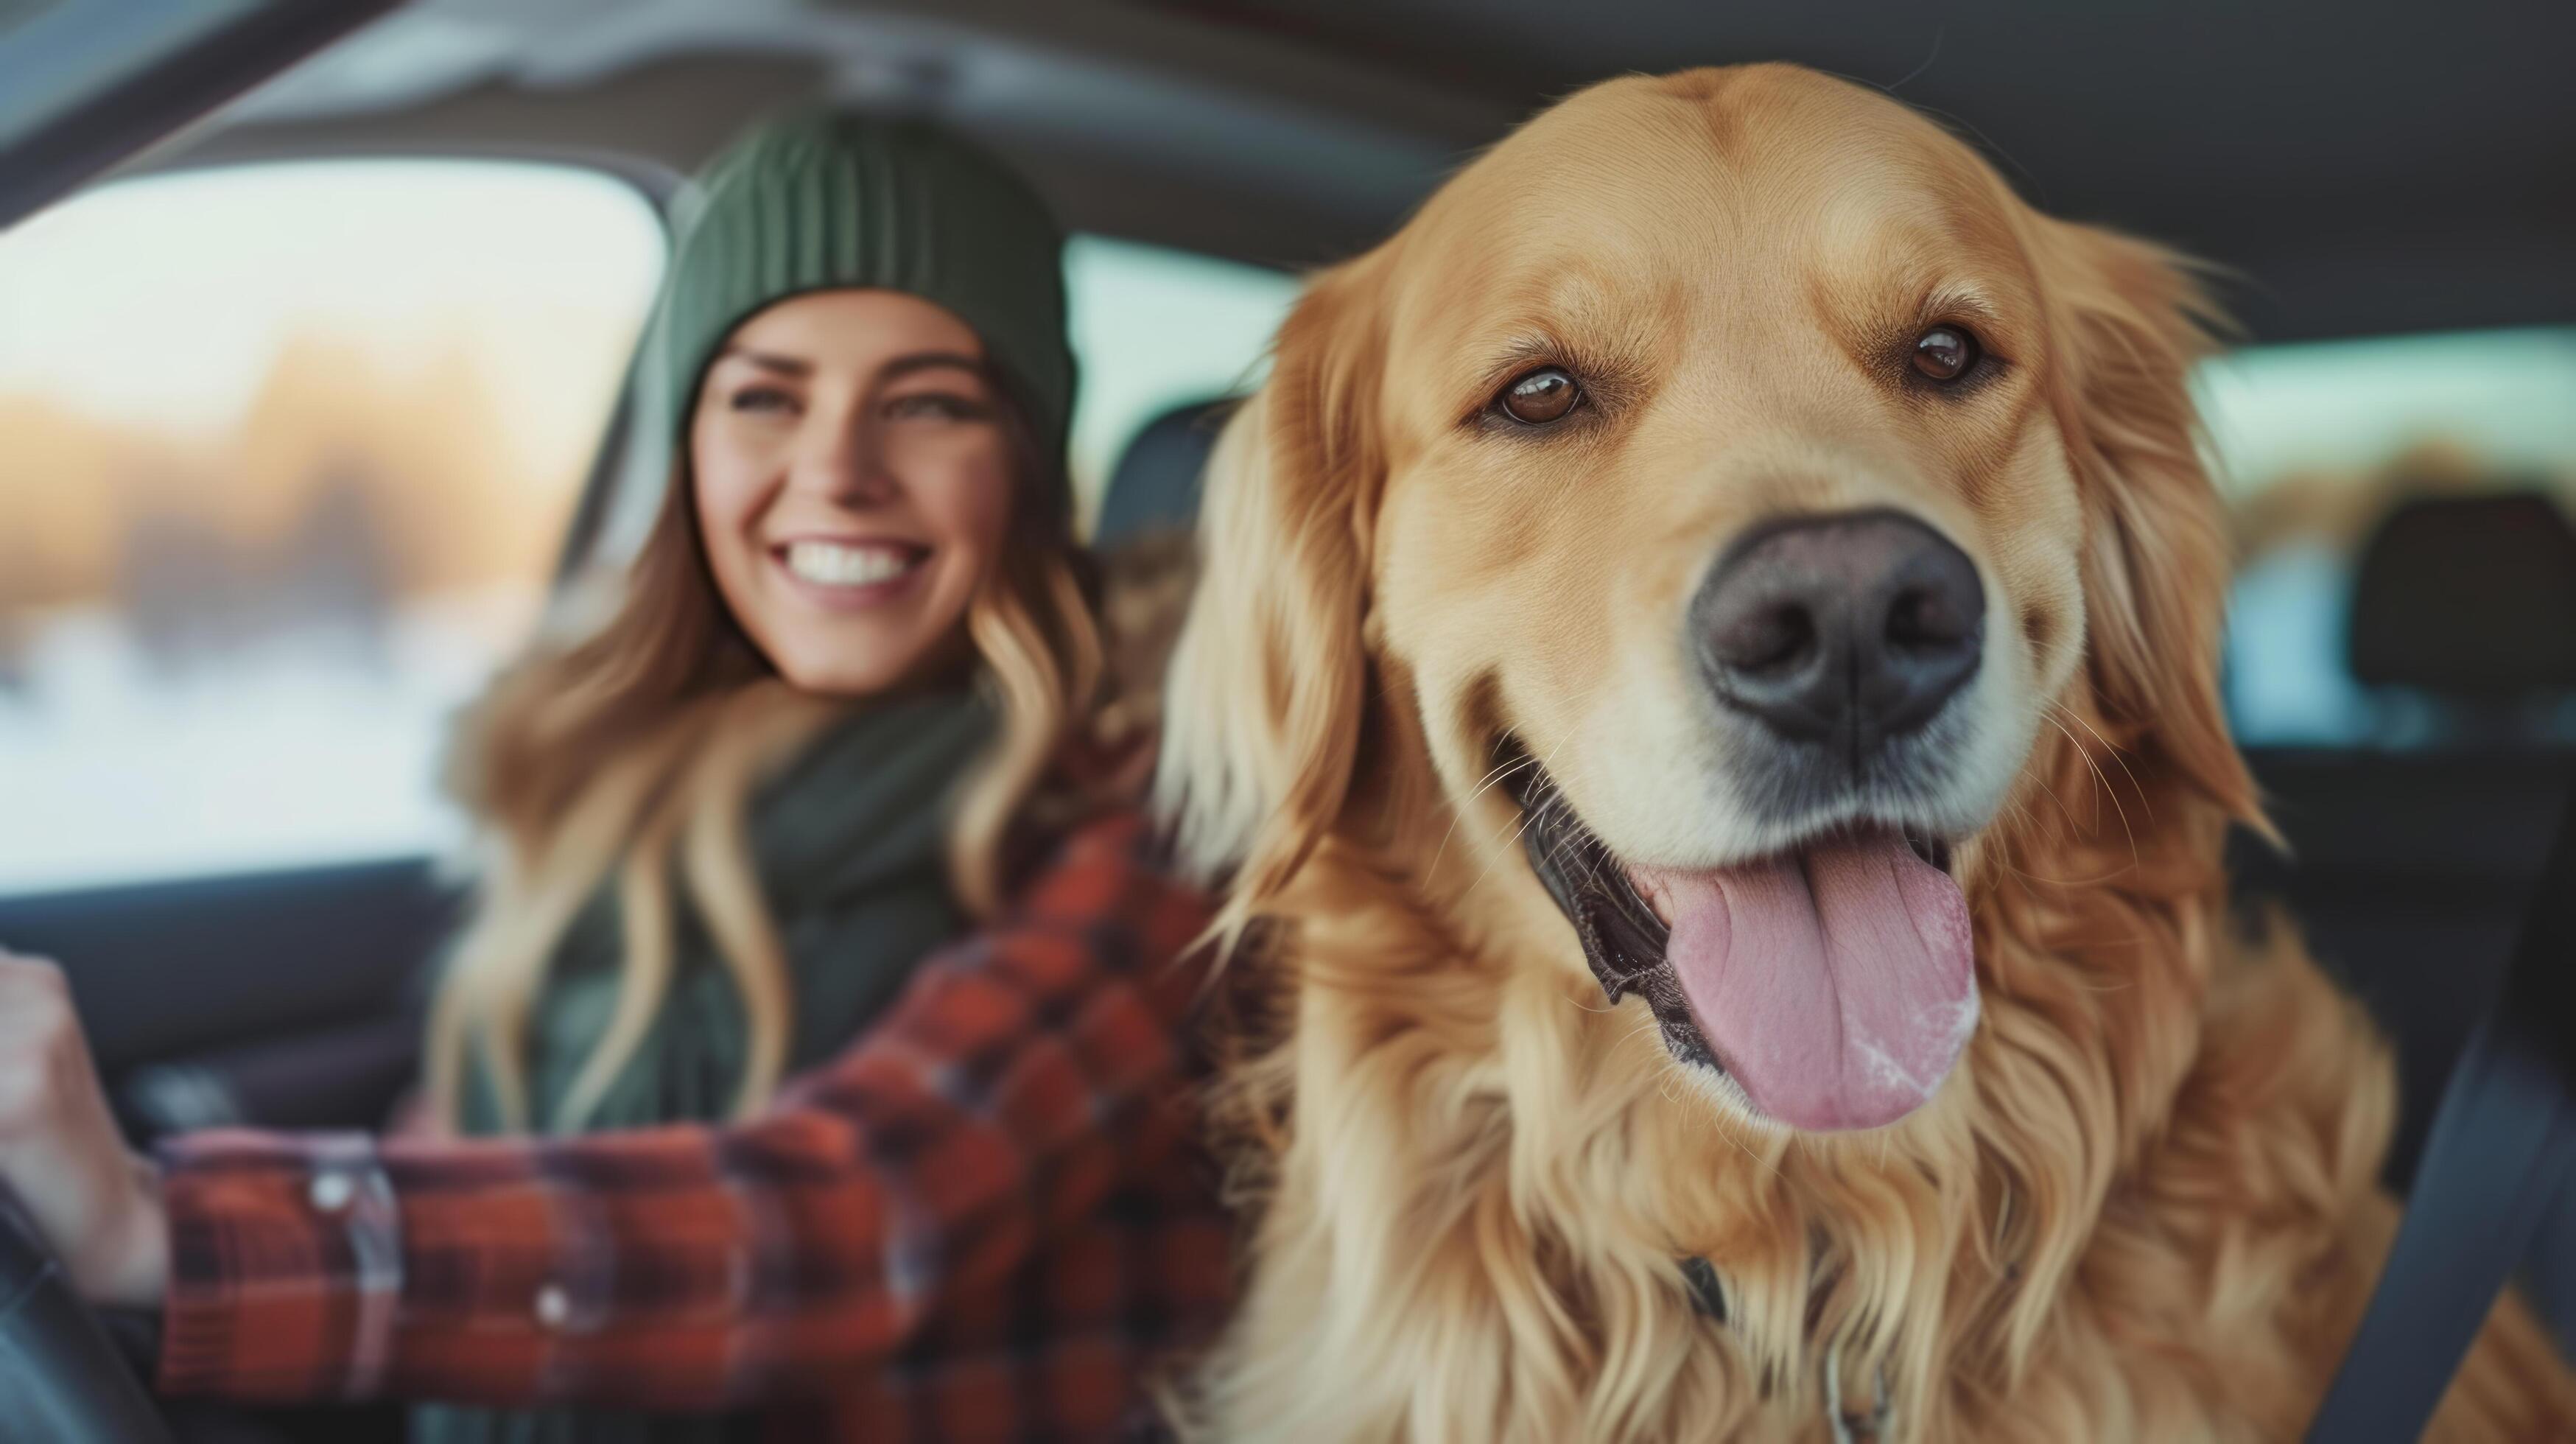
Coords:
pixel 808 903
pixel 849 580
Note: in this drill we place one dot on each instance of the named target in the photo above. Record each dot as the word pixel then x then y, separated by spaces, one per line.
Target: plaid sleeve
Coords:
pixel 691 1267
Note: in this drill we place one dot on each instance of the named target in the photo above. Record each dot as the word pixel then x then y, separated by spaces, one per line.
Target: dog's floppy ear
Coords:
pixel 2129 320
pixel 1263 704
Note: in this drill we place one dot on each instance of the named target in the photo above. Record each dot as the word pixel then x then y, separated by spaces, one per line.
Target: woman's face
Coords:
pixel 853 486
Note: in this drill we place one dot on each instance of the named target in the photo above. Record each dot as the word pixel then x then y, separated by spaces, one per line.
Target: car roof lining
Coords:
pixel 2359 177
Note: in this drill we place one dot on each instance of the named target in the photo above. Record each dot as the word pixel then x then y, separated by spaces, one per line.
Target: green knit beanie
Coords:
pixel 822 200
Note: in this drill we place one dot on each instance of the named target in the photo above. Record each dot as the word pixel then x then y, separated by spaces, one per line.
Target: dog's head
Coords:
pixel 1728 488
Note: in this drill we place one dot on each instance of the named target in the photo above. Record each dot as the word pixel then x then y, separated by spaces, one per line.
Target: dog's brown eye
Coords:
pixel 1542 396
pixel 1945 353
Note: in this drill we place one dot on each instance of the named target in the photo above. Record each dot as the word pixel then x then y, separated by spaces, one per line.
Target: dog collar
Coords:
pixel 1708 1297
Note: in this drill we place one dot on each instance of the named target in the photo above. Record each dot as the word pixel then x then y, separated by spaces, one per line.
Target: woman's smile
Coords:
pixel 850 574
pixel 853 480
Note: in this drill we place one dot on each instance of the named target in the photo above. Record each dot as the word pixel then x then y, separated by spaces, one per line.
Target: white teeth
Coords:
pixel 834 565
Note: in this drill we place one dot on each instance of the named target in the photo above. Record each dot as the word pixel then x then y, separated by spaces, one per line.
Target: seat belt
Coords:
pixel 2502 1148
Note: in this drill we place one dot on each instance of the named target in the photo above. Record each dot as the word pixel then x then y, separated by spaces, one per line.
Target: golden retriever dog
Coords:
pixel 1704 677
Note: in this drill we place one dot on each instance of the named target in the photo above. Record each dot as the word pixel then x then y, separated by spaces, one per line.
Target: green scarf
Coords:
pixel 850 846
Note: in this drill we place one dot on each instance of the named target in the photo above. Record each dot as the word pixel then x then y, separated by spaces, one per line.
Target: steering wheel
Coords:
pixel 62 1380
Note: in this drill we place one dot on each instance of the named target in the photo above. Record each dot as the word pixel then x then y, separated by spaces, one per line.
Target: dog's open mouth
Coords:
pixel 1834 982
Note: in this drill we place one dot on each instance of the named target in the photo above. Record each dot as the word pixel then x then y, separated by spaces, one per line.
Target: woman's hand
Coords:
pixel 94 1201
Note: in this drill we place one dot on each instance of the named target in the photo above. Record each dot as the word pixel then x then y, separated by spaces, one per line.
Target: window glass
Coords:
pixel 286 451
pixel 1153 329
pixel 2314 445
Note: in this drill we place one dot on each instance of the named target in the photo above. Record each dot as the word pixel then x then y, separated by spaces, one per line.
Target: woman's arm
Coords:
pixel 1025 1074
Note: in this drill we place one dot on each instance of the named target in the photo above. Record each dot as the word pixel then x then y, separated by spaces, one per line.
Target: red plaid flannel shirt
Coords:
pixel 986 1220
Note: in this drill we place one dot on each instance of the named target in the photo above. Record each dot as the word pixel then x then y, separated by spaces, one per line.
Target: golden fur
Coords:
pixel 2144 1205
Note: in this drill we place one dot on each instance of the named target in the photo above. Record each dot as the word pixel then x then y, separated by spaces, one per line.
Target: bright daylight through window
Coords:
pixel 287 452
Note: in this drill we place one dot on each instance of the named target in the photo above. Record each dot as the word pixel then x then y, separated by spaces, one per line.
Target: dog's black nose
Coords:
pixel 1846 629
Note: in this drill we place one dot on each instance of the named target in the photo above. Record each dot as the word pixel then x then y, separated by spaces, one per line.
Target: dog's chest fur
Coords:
pixel 1488 1178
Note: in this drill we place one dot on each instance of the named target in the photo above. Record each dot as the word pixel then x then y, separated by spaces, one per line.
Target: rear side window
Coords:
pixel 286 453
pixel 2316 445
pixel 1156 328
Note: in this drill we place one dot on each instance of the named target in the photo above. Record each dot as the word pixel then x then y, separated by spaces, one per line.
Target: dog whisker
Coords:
pixel 2101 782
pixel 2096 881
pixel 1759 1161
pixel 2074 827
pixel 1528 815
pixel 2116 754
pixel 1458 812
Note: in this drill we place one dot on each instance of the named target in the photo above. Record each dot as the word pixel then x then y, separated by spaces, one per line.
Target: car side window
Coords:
pixel 287 451
pixel 1155 328
pixel 2315 445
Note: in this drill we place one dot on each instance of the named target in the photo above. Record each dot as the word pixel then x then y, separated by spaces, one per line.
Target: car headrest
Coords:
pixel 2470 595
pixel 1156 483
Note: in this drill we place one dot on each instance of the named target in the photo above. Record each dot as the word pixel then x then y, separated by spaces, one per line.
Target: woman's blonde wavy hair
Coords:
pixel 634 751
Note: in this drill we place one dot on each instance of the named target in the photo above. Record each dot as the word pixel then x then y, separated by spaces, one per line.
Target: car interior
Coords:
pixel 2357 176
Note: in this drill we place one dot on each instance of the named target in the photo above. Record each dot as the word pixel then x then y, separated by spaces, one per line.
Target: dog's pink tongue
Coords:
pixel 1837 984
